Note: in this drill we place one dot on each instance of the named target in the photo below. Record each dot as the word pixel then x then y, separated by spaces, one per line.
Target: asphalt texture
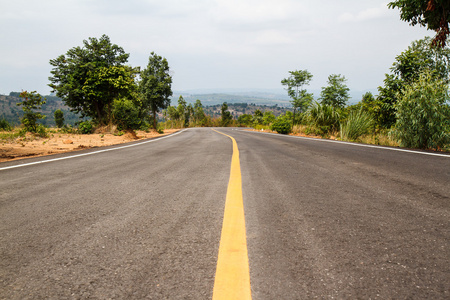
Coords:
pixel 324 220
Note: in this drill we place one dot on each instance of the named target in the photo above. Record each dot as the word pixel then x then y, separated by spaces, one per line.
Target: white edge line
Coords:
pixel 353 144
pixel 90 153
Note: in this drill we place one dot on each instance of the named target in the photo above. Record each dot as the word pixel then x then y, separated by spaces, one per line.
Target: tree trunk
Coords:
pixel 154 119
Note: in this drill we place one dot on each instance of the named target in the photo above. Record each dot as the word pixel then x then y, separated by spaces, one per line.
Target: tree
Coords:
pixel 300 98
pixel 268 117
pixel 423 114
pixel 89 78
pixel 433 14
pixel 199 114
pixel 226 115
pixel 336 93
pixel 31 101
pixel 59 118
pixel 419 57
pixel 156 85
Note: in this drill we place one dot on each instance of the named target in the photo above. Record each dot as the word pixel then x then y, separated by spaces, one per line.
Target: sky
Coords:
pixel 211 45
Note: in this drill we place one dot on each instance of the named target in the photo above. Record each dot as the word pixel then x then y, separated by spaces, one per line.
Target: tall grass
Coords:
pixel 357 124
pixel 325 118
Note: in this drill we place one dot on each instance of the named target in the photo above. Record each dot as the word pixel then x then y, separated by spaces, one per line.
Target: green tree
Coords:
pixel 31 101
pixel 336 93
pixel 282 125
pixel 268 117
pixel 423 114
pixel 433 14
pixel 301 99
pixel 226 115
pixel 419 57
pixel 258 117
pixel 199 114
pixel 59 118
pixel 156 85
pixel 126 114
pixel 245 119
pixel 89 78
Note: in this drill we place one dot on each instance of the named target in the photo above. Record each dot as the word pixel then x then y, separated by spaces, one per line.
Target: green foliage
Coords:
pixel 301 99
pixel 423 114
pixel 358 123
pixel 245 120
pixel 126 114
pixel 282 125
pixel 336 93
pixel 268 117
pixel 324 117
pixel 155 86
pixel 418 58
pixel 199 114
pixel 225 115
pixel 31 101
pixel 85 127
pixel 89 78
pixel 434 14
pixel 4 125
pixel 59 118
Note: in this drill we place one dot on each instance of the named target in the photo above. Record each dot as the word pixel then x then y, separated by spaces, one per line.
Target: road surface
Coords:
pixel 323 220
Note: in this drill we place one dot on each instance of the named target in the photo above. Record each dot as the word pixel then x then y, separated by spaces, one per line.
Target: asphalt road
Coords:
pixel 324 220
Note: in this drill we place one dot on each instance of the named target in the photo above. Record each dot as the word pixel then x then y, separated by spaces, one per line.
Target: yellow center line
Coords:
pixel 232 279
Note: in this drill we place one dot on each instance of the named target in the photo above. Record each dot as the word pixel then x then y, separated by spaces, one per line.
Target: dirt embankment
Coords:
pixel 31 146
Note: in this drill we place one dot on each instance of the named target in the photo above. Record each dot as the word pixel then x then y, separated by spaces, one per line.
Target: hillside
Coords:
pixel 12 113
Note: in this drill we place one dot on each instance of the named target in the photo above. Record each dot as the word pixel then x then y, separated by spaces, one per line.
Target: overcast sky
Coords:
pixel 210 44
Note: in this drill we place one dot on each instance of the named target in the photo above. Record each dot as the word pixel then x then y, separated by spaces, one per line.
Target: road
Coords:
pixel 323 220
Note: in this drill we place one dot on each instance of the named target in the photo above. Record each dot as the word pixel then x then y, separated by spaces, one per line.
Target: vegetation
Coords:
pixel 59 118
pixel 31 101
pixel 336 93
pixel 225 115
pixel 156 85
pixel 301 99
pixel 4 125
pixel 282 125
pixel 434 14
pixel 423 114
pixel 89 78
pixel 357 124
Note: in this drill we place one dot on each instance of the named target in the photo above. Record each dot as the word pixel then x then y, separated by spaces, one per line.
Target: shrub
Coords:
pixel 126 114
pixel 59 118
pixel 4 125
pixel 282 125
pixel 357 124
pixel 423 114
pixel 85 127
pixel 324 117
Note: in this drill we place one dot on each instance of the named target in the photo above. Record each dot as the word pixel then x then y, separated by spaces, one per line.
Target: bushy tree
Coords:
pixel 126 114
pixel 301 99
pixel 268 117
pixel 245 120
pixel 282 125
pixel 416 59
pixel 59 118
pixel 31 101
pixel 433 14
pixel 336 93
pixel 89 78
pixel 199 114
pixel 156 85
pixel 423 114
pixel 226 115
